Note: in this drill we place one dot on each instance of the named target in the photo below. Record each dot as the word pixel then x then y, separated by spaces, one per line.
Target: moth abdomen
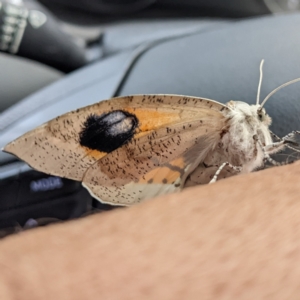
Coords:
pixel 109 131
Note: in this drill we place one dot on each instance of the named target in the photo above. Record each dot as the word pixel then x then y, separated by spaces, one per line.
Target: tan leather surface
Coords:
pixel 236 239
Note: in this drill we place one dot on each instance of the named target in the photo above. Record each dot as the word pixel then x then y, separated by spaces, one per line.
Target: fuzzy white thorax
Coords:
pixel 245 125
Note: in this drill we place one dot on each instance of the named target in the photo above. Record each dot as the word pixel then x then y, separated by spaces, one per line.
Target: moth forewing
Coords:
pixel 55 148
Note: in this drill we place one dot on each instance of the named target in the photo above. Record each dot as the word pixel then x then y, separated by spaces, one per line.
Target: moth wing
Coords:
pixel 54 147
pixel 153 164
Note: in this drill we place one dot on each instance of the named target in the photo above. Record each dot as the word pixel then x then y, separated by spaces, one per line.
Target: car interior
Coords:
pixel 60 55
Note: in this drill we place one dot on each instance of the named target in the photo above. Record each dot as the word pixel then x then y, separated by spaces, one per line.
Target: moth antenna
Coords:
pixel 260 80
pixel 276 90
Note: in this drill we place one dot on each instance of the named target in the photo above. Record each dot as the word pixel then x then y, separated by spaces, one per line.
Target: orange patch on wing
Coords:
pixel 162 175
pixel 153 119
pixel 178 162
pixel 95 154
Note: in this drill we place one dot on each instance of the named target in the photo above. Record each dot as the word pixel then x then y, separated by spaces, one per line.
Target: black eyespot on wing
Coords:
pixel 109 131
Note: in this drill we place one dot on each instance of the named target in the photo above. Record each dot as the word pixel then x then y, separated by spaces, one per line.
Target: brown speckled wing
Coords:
pixel 147 131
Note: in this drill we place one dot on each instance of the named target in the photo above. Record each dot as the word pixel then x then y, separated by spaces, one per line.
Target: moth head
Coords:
pixel 250 113
pixel 263 116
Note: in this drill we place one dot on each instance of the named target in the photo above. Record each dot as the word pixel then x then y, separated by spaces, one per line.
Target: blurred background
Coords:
pixel 58 55
pixel 67 35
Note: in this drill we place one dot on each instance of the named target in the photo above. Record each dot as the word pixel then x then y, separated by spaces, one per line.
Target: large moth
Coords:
pixel 128 149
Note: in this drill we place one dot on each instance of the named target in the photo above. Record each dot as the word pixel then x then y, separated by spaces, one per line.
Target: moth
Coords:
pixel 128 149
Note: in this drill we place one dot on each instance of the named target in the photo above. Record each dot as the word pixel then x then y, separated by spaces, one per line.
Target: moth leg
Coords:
pixel 270 149
pixel 214 179
pixel 276 147
pixel 275 135
pixel 280 139
pixel 288 142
